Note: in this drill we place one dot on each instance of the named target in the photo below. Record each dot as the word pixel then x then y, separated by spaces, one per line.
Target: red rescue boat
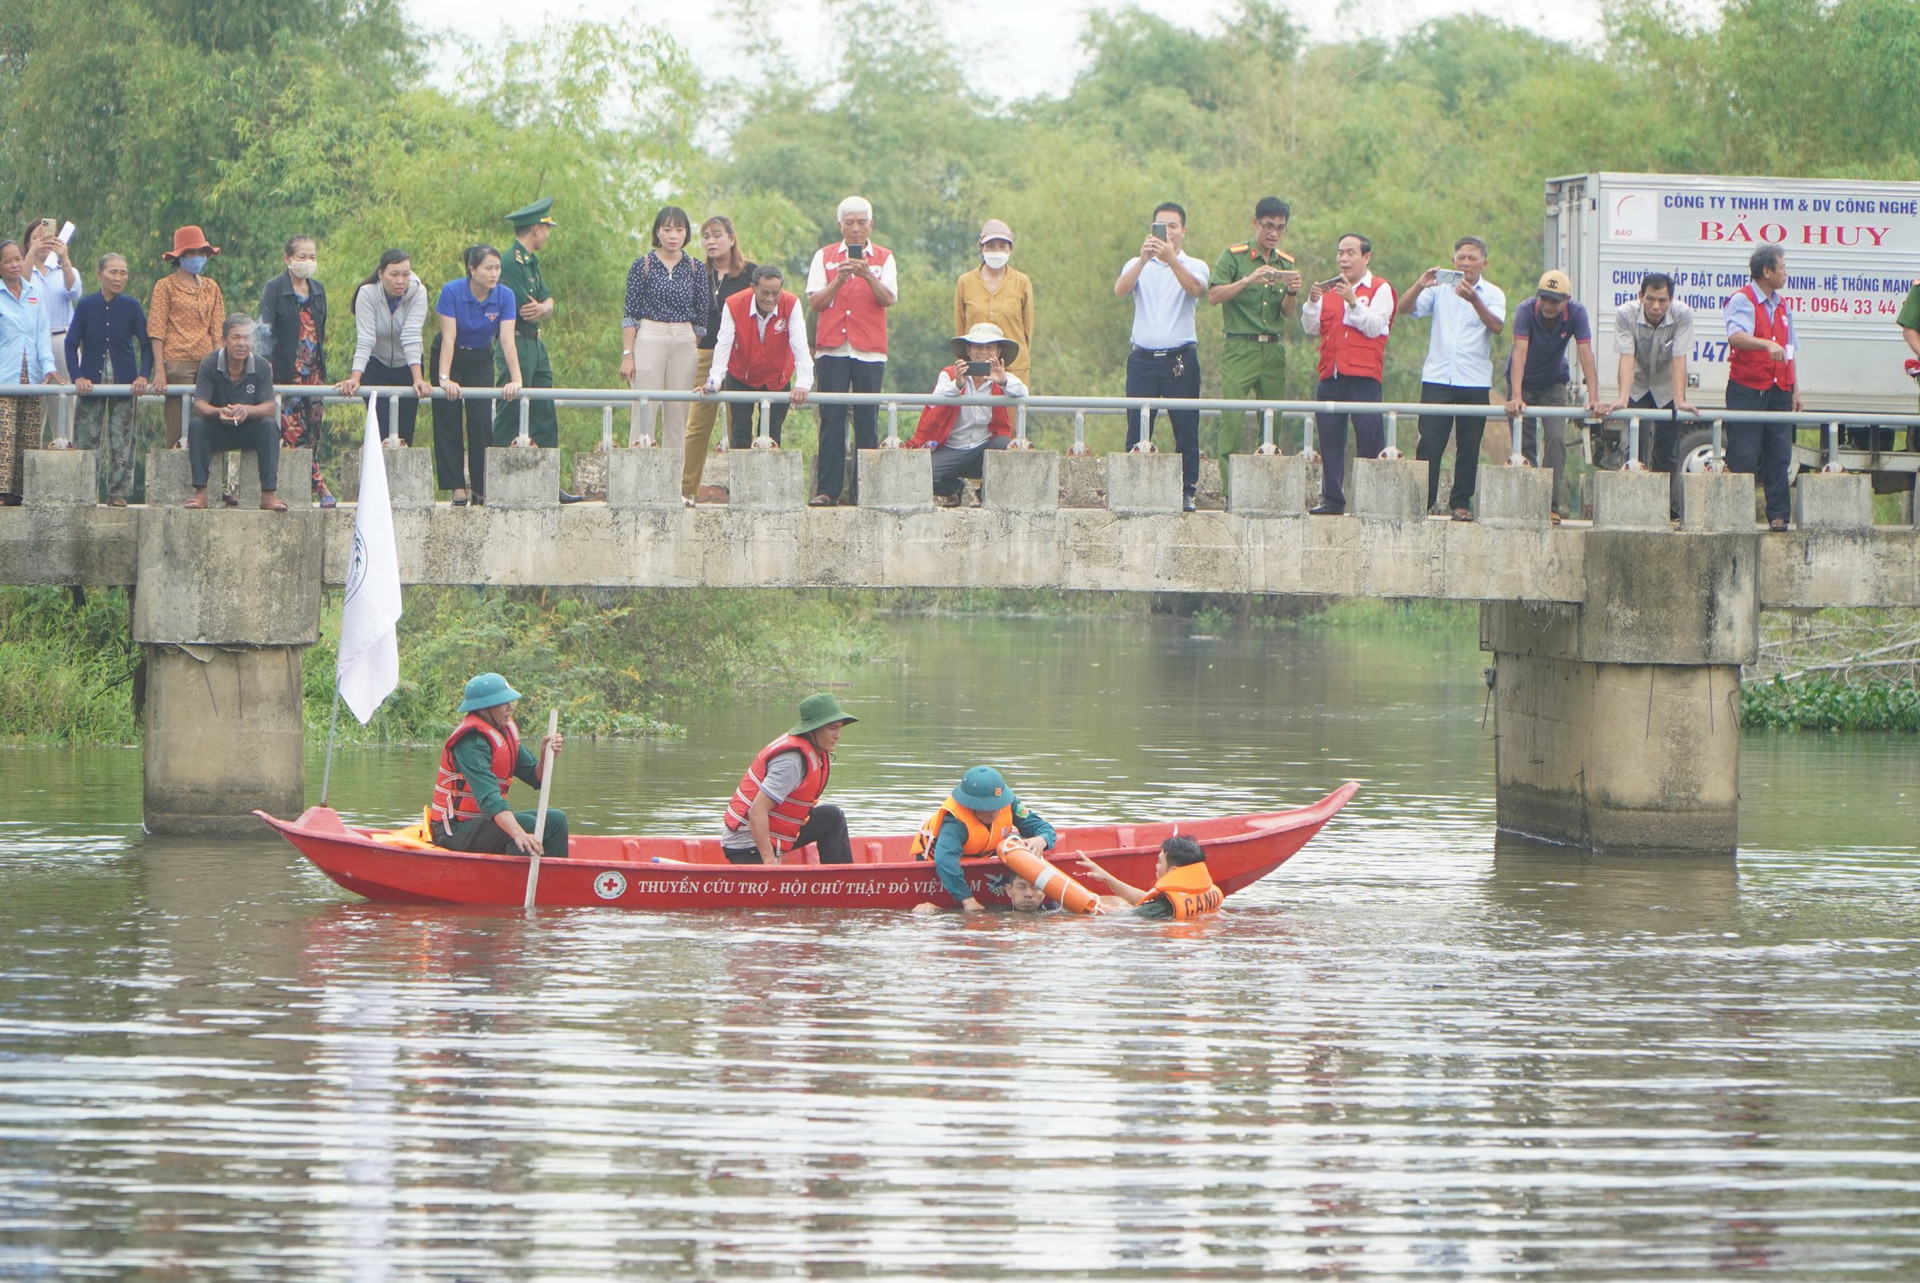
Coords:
pixel 627 872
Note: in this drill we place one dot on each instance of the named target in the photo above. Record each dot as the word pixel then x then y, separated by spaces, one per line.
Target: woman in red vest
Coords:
pixel 776 807
pixel 960 436
pixel 850 286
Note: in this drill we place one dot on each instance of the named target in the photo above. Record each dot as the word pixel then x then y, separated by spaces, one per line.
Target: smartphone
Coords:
pixel 1448 277
pixel 1331 282
pixel 1159 231
pixel 860 251
pixel 979 369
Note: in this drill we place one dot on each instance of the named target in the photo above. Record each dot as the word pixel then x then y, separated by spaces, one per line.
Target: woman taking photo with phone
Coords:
pixel 995 294
pixel 728 272
pixel 475 312
pixel 666 314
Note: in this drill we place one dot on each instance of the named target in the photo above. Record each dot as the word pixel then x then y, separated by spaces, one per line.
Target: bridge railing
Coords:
pixel 1273 414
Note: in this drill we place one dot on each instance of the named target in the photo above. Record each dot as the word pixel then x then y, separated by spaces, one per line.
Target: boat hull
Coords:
pixel 628 872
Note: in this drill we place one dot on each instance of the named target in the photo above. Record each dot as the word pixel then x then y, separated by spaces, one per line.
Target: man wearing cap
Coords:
pixel 1255 288
pixel 1538 373
pixel 520 272
pixel 478 764
pixel 961 435
pixel 850 286
pixel 776 808
pixel 184 317
pixel 996 294
pixel 981 814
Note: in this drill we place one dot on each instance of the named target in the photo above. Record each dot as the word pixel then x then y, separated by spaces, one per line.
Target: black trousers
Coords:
pixel 485 837
pixel 207 437
pixel 381 375
pixel 1465 429
pixel 462 464
pixel 844 374
pixel 1369 433
pixel 952 467
pixel 826 828
pixel 1154 376
pixel 1763 448
pixel 740 414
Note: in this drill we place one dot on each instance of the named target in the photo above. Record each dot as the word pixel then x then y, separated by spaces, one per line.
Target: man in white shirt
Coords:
pixel 1352 314
pixel 761 347
pixel 1165 284
pixel 1467 312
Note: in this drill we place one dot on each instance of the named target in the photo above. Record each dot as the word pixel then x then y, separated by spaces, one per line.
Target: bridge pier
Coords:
pixel 226 605
pixel 1617 720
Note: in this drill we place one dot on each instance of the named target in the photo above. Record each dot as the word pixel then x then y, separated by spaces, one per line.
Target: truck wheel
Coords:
pixel 1690 454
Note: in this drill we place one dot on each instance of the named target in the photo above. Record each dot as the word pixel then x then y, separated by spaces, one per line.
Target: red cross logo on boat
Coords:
pixel 610 885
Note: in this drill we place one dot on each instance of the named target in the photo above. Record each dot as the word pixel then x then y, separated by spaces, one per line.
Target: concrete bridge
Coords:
pixel 1617 644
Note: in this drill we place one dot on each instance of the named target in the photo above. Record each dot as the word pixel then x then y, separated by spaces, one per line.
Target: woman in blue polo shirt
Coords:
pixel 475 313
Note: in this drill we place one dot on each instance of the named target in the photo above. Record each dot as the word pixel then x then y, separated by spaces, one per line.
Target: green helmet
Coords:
pixel 486 691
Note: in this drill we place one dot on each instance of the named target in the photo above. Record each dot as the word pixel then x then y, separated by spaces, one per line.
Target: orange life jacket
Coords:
pixel 787 817
pixel 453 799
pixel 981 838
pixel 1189 889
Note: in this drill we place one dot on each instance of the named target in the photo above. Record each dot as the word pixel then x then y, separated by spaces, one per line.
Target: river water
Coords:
pixel 1417 1051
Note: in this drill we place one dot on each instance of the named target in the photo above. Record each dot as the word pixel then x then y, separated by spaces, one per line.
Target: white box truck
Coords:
pixel 1852 250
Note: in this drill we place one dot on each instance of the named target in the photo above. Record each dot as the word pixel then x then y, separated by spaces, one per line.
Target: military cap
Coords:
pixel 533 215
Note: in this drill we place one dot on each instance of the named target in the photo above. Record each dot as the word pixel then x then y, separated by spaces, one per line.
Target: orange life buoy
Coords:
pixel 1046 878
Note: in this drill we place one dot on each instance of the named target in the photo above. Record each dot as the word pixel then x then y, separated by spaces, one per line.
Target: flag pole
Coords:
pixel 540 817
pixel 333 724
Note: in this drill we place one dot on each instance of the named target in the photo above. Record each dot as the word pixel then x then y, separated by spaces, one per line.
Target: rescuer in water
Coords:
pixel 478 764
pixel 1182 887
pixel 776 807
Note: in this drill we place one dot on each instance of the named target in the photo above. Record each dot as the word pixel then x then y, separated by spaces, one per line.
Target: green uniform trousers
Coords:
pixel 1249 371
pixel 535 372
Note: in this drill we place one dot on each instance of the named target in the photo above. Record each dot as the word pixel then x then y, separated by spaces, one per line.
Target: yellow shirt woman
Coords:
pixel 997 294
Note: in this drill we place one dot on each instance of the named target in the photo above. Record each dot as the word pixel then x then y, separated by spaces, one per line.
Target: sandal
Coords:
pixel 272 503
pixel 1777 526
pixel 822 501
pixel 461 502
pixel 117 501
pixel 1463 514
pixel 198 503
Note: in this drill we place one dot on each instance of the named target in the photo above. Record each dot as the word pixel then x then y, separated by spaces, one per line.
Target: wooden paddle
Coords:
pixel 540 816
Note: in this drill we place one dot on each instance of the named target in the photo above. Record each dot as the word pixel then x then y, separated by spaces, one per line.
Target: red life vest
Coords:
pixel 1189 890
pixel 785 820
pixel 981 838
pixel 761 363
pixel 1345 350
pixel 1753 368
pixel 855 315
pixel 453 799
pixel 936 421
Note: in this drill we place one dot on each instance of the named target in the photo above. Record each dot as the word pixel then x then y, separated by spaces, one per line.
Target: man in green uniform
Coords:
pixel 1255 288
pixel 520 272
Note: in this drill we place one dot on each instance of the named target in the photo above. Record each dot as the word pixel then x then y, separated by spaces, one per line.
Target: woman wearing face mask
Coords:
pixel 184 317
pixel 666 315
pixel 293 312
pixel 728 272
pixel 995 294
pixel 26 356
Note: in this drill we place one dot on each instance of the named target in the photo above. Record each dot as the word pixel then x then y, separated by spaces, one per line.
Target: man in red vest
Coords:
pixel 1352 314
pixel 850 286
pixel 478 764
pixel 776 808
pixel 1760 376
pixel 761 347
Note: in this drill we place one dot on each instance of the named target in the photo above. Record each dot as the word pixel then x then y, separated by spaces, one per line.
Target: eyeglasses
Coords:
pixel 1271 225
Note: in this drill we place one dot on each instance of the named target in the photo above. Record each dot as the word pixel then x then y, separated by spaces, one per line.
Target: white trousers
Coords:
pixel 665 356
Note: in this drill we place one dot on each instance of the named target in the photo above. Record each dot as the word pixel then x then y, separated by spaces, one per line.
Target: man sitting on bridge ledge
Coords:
pixel 233 410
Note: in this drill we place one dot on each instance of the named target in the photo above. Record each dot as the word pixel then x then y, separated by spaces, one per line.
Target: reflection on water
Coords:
pixel 1417 1051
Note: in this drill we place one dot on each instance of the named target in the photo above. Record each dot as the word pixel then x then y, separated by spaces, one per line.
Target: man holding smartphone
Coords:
pixel 1467 311
pixel 1256 289
pixel 1164 362
pixel 1352 313
pixel 850 286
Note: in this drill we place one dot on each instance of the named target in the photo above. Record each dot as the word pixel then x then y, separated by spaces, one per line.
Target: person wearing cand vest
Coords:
pixel 1352 314
pixel 776 807
pixel 850 286
pixel 1761 376
pixel 762 347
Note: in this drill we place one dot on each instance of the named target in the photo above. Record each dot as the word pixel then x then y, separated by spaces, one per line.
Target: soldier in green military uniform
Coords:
pixel 1256 289
pixel 520 272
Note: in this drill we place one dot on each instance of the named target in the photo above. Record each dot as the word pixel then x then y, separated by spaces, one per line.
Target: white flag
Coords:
pixel 369 643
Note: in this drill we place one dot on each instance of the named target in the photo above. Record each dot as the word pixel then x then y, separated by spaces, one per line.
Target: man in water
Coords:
pixel 478 764
pixel 982 813
pixel 1182 887
pixel 1022 896
pixel 776 807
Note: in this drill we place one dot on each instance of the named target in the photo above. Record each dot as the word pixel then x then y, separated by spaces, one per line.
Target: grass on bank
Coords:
pixel 67 667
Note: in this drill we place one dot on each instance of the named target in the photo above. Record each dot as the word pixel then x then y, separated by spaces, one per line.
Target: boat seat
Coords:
pixel 630 851
pixel 872 852
pixel 1123 835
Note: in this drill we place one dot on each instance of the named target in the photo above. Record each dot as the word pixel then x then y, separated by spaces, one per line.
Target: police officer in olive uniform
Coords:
pixel 1255 287
pixel 520 272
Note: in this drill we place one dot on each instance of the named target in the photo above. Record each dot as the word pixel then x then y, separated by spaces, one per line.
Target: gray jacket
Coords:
pixel 389 335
